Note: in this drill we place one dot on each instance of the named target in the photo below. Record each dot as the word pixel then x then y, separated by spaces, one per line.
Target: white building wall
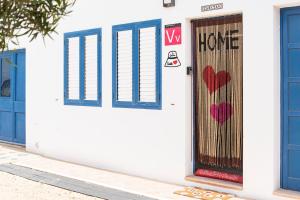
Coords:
pixel 157 144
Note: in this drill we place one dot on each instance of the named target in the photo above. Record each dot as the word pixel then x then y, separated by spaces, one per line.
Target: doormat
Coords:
pixel 198 193
pixel 220 175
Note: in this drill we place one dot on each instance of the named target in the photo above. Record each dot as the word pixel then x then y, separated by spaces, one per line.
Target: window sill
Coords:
pixel 131 105
pixel 92 103
pixel 287 193
pixel 214 182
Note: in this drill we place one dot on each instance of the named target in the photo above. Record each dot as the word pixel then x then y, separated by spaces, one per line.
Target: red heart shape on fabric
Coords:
pixel 175 62
pixel 222 112
pixel 215 81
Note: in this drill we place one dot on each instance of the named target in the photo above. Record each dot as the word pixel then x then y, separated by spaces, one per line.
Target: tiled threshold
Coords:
pixel 287 193
pixel 215 182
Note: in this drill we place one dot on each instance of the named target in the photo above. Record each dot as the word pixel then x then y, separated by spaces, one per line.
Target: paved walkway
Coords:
pixel 16 187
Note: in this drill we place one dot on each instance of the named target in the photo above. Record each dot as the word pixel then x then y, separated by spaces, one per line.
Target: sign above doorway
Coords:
pixel 210 7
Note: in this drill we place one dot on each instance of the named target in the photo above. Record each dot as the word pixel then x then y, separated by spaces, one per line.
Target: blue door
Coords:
pixel 290 92
pixel 12 96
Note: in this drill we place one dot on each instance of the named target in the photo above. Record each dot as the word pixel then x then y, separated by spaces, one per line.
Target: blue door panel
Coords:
pixel 294 96
pixel 293 68
pixel 5 105
pixel 12 96
pixel 294 171
pixel 293 184
pixel 6 121
pixel 20 128
pixel 20 79
pixel 19 107
pixel 290 98
pixel 294 131
pixel 293 27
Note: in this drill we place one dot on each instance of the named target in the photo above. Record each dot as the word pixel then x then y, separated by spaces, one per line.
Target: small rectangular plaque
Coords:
pixel 172 34
pixel 211 7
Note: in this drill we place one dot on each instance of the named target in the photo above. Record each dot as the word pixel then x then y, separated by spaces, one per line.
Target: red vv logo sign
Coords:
pixel 172 34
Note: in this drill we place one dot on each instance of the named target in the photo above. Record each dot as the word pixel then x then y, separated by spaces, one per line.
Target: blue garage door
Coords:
pixel 290 23
pixel 12 96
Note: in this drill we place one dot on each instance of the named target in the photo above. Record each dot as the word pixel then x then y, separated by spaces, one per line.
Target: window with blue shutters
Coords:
pixel 82 68
pixel 137 65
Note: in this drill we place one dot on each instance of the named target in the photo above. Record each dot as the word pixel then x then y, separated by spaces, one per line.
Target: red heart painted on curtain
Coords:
pixel 215 81
pixel 222 112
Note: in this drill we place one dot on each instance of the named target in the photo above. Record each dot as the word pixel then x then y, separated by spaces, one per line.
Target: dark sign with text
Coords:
pixel 219 40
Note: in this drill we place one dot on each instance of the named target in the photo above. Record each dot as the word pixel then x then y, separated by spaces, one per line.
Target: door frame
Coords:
pixel 194 80
pixel 13 54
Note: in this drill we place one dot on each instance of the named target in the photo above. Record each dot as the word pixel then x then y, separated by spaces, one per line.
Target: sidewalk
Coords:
pixel 120 182
pixel 16 188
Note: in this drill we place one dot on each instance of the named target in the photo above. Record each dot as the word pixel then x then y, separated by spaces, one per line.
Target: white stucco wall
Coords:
pixel 156 144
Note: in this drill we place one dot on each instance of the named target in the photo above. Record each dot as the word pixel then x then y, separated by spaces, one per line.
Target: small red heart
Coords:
pixel 214 80
pixel 175 62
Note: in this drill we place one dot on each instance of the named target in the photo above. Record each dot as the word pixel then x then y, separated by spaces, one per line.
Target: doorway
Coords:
pixel 218 97
pixel 290 98
pixel 12 96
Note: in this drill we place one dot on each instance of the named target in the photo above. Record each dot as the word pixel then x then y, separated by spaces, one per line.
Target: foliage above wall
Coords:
pixel 30 18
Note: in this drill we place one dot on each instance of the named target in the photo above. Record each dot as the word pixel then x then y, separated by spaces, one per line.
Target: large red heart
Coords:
pixel 215 81
pixel 221 112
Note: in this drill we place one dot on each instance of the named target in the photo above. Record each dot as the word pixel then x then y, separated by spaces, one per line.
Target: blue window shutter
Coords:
pixel 91 68
pixel 73 68
pixel 82 68
pixel 145 64
pixel 124 66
